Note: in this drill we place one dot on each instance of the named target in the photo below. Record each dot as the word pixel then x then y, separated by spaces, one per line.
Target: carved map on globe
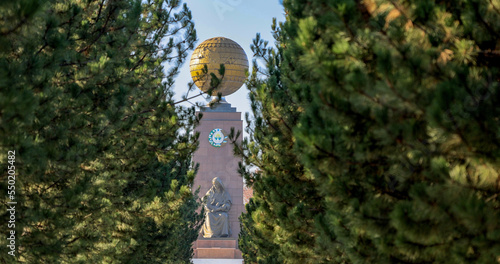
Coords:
pixel 214 52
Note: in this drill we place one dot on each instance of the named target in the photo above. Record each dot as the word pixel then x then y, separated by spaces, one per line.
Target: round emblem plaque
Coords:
pixel 217 138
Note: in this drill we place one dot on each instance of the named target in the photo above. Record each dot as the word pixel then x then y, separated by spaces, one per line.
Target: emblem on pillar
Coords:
pixel 217 138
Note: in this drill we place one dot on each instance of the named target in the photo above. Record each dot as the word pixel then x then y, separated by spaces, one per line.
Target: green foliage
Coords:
pixel 279 221
pixel 256 230
pixel 400 125
pixel 103 160
pixel 392 110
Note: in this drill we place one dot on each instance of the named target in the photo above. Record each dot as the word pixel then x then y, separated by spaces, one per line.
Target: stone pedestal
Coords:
pixel 219 162
pixel 216 249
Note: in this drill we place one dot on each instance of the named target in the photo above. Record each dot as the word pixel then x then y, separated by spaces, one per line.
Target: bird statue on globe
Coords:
pixel 212 53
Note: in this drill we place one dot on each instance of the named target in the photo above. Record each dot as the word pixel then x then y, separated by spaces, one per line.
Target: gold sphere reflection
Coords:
pixel 214 52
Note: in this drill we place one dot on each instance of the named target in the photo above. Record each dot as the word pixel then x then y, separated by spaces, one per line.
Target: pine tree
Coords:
pixel 400 125
pixel 279 222
pixel 102 154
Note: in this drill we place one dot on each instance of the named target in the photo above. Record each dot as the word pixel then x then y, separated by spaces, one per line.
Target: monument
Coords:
pixel 219 181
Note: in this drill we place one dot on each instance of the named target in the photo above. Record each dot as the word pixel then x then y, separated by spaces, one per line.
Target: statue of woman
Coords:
pixel 217 204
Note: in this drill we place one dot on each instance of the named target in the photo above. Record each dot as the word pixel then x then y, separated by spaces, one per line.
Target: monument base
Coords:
pixel 217 261
pixel 216 248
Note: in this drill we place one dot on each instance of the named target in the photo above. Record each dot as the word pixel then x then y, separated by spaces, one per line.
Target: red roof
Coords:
pixel 247 194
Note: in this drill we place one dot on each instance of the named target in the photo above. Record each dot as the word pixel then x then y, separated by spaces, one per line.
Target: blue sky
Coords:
pixel 238 20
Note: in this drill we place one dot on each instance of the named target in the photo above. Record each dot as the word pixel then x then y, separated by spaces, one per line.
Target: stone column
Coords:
pixel 220 162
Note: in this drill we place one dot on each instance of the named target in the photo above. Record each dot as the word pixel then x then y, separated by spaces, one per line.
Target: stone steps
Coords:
pixel 216 249
pixel 217 253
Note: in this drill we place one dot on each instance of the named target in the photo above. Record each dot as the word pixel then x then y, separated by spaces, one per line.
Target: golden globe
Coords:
pixel 212 53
